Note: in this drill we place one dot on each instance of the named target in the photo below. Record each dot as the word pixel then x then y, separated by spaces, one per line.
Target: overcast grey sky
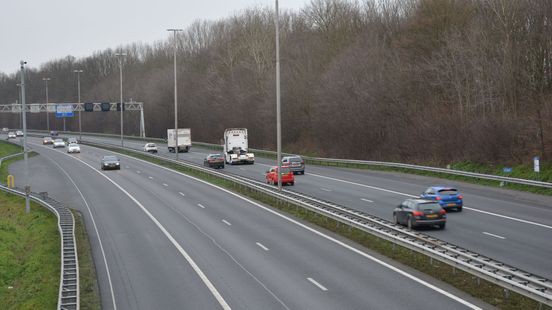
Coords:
pixel 41 30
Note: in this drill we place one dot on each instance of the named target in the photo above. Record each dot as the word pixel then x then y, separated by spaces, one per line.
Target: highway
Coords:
pixel 163 240
pixel 511 226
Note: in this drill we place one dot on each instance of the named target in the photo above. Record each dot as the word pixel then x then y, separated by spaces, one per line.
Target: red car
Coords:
pixel 272 176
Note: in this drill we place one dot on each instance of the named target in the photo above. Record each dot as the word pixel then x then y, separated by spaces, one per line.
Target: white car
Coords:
pixel 19 133
pixel 59 143
pixel 11 135
pixel 150 147
pixel 5 129
pixel 73 148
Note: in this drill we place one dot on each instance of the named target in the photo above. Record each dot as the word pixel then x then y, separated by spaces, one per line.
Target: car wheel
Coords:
pixel 395 219
pixel 409 222
pixel 291 183
pixel 459 209
pixel 442 226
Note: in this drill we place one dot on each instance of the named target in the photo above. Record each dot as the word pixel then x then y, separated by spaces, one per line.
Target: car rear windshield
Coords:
pixel 295 159
pixel 429 206
pixel 448 191
pixel 285 170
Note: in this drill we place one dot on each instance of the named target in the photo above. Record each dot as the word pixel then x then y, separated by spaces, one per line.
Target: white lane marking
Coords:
pixel 493 235
pixel 95 228
pixel 150 177
pixel 367 200
pixel 320 286
pixel 327 237
pixel 127 167
pixel 414 196
pixel 325 189
pixel 226 222
pixel 261 246
pixel 188 258
pixel 182 194
pixel 242 169
pixel 138 171
pixel 201 206
pixel 165 184
pixel 509 218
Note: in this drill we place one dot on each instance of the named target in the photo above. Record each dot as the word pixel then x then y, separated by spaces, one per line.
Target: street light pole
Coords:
pixel 78 72
pixel 122 104
pixel 25 156
pixel 175 96
pixel 278 103
pixel 47 110
pixel 19 102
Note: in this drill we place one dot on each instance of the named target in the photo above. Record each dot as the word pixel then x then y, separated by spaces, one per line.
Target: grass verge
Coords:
pixel 484 290
pixel 89 290
pixel 29 255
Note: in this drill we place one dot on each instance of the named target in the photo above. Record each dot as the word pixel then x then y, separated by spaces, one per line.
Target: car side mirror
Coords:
pixel 268 171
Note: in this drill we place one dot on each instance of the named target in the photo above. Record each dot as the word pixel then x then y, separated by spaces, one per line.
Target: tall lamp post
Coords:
pixel 21 109
pixel 25 156
pixel 78 72
pixel 278 105
pixel 175 96
pixel 47 110
pixel 122 104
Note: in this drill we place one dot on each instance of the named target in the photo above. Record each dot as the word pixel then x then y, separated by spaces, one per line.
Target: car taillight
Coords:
pixel 438 198
pixel 460 197
pixel 417 213
pixel 442 211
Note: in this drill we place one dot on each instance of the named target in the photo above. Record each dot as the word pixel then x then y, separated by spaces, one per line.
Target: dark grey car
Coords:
pixel 295 163
pixel 420 212
pixel 111 162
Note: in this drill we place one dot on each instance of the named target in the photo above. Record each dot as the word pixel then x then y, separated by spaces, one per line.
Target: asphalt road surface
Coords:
pixel 162 240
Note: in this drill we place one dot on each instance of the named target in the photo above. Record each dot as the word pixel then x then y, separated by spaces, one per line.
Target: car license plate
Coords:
pixel 431 216
pixel 451 205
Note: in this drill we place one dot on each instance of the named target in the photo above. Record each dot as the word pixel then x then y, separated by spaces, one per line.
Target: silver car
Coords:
pixel 73 148
pixel 295 163
pixel 59 143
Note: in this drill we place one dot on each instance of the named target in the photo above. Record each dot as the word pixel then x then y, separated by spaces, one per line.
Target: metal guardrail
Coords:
pixel 508 277
pixel 329 161
pixel 68 297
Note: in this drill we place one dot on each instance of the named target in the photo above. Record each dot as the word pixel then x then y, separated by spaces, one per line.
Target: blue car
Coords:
pixel 447 197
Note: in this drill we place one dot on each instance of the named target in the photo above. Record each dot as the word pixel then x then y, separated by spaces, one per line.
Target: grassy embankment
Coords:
pixel 484 290
pixel 29 250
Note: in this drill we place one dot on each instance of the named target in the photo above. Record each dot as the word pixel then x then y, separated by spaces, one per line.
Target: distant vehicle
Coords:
pixel 150 147
pixel 111 162
pixel 447 197
pixel 12 135
pixel 235 147
pixel 72 140
pixel 295 163
pixel 47 140
pixel 420 212
pixel 214 161
pixel 54 133
pixel 5 129
pixel 184 140
pixel 59 143
pixel 73 148
pixel 19 133
pixel 272 176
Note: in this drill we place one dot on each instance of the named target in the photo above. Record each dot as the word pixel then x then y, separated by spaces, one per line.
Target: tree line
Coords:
pixel 421 81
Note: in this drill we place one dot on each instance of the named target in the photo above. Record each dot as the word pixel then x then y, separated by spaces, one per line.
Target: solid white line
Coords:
pixel 493 235
pixel 414 196
pixel 201 206
pixel 95 228
pixel 320 286
pixel 243 169
pixel 138 171
pixel 327 237
pixel 150 177
pixel 262 246
pixel 182 194
pixel 127 167
pixel 325 189
pixel 183 252
pixel 367 200
pixel 226 222
pixel 165 184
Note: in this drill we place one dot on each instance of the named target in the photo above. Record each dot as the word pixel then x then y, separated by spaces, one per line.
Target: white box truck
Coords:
pixel 184 140
pixel 235 147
